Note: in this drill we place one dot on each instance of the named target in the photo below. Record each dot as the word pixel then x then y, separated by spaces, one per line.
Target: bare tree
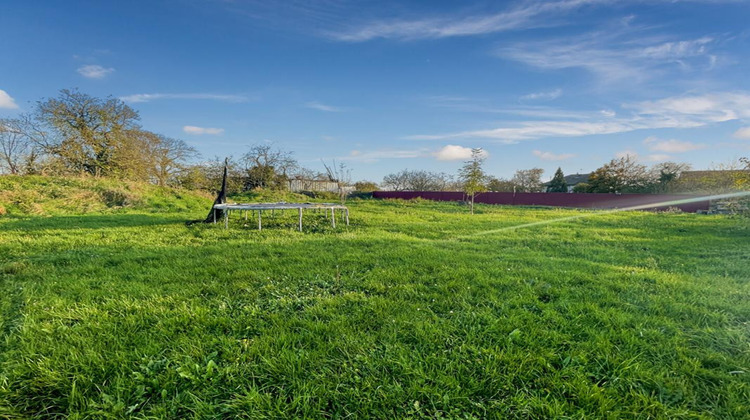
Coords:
pixel 267 167
pixel 342 176
pixel 15 145
pixel 170 157
pixel 418 180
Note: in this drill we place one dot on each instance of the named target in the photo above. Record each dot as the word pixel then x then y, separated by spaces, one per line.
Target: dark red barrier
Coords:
pixel 577 200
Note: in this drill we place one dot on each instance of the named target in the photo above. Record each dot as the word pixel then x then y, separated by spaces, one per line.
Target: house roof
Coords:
pixel 574 179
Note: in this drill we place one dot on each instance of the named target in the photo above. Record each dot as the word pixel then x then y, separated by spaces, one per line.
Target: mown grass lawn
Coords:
pixel 406 313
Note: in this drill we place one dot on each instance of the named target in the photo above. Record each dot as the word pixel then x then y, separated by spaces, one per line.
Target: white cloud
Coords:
pixel 453 152
pixel 552 156
pixel 322 107
pixel 545 96
pixel 671 146
pixel 375 155
pixel 148 97
pixel 742 133
pixel 94 71
pixel 531 14
pixel 658 157
pixel 674 112
pixel 6 101
pixel 197 131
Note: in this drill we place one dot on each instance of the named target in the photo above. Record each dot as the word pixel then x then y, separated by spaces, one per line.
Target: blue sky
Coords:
pixel 384 86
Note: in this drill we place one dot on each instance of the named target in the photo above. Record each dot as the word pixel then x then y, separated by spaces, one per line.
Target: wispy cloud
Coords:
pixel 626 154
pixel 742 133
pixel 528 15
pixel 671 146
pixel 552 156
pixel 453 152
pixel 6 101
pixel 545 96
pixel 323 107
pixel 674 112
pixel 616 54
pixel 148 97
pixel 198 131
pixel 375 155
pixel 94 71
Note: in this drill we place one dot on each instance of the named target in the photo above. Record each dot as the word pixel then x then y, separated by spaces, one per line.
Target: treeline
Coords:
pixel 78 134
pixel 622 175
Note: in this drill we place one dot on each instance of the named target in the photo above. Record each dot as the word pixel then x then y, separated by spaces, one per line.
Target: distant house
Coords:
pixel 573 180
pixel 301 184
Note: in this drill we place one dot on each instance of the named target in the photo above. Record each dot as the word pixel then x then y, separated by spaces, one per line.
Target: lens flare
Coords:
pixel 599 213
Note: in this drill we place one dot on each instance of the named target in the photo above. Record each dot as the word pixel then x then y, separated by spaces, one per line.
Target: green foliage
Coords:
pixel 558 183
pixel 472 176
pixel 500 185
pixel 623 175
pixel 365 186
pixel 581 187
pixel 414 311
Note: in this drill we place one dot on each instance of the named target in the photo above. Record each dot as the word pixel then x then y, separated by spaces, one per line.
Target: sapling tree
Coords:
pixel 472 176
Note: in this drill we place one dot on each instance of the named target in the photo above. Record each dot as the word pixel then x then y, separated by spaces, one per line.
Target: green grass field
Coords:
pixel 126 312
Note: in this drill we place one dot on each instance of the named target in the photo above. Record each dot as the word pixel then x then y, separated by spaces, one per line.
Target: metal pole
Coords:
pixel 226 218
pixel 259 225
pixel 214 211
pixel 333 218
pixel 300 219
pixel 347 217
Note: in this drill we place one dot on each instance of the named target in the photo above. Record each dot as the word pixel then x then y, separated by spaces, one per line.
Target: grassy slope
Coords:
pixel 401 314
pixel 39 195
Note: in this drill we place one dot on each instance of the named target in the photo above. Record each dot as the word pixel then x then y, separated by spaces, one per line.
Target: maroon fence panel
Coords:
pixel 576 200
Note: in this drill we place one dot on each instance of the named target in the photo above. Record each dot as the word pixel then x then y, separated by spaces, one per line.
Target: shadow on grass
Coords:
pixel 90 221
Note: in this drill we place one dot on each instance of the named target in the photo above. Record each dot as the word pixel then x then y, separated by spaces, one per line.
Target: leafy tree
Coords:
pixel 528 180
pixel 666 175
pixel 742 181
pixel 582 187
pixel 365 186
pixel 472 176
pixel 558 183
pixel 84 131
pixel 623 175
pixel 500 185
